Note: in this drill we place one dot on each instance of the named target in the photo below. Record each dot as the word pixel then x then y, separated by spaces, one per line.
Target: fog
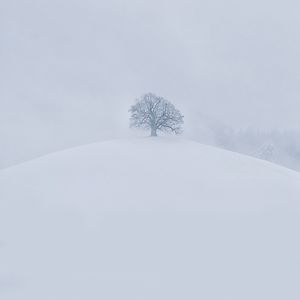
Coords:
pixel 71 69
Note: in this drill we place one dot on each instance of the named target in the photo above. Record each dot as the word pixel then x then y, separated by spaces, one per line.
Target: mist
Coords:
pixel 71 69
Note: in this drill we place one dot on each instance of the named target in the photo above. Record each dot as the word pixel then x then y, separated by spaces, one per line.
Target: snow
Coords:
pixel 149 218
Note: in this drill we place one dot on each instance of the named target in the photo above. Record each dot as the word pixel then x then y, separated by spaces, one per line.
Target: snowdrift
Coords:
pixel 149 219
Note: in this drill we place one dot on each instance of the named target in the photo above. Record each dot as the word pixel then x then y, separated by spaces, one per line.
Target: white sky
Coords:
pixel 70 69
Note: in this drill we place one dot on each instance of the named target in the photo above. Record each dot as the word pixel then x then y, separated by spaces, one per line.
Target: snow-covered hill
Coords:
pixel 149 219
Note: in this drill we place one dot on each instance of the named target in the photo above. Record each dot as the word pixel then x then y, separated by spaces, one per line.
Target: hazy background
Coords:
pixel 69 70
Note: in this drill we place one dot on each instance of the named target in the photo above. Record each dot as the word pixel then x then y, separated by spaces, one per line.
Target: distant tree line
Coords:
pixel 278 146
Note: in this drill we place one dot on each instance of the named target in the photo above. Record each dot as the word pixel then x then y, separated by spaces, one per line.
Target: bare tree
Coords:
pixel 267 151
pixel 156 114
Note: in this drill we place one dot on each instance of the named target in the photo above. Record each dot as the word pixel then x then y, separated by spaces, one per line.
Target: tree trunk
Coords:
pixel 153 132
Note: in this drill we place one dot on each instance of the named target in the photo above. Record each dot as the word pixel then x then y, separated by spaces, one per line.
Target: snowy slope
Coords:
pixel 149 219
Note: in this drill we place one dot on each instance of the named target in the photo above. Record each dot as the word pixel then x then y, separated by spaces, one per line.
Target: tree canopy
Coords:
pixel 155 113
